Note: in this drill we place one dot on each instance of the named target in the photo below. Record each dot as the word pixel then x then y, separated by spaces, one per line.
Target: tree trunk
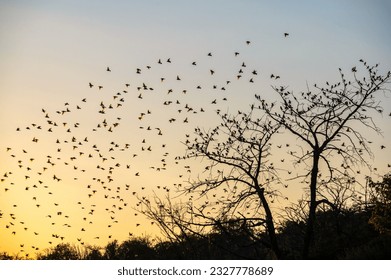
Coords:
pixel 270 224
pixel 309 234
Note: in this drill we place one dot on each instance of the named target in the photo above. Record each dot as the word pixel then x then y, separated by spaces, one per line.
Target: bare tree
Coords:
pixel 239 181
pixel 186 224
pixel 237 154
pixel 329 121
pixel 236 185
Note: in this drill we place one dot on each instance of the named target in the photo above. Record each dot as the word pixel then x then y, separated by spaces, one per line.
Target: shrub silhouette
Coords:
pixel 63 251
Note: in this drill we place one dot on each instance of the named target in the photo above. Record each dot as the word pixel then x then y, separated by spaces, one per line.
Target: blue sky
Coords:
pixel 51 50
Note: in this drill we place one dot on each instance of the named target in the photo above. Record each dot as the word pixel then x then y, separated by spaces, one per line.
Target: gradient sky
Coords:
pixel 51 50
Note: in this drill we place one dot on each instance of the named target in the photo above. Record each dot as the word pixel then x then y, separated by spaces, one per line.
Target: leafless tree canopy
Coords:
pixel 330 123
pixel 330 119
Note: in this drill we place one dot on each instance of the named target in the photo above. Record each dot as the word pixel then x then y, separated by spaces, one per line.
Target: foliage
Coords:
pixel 381 214
pixel 6 256
pixel 63 251
pixel 345 234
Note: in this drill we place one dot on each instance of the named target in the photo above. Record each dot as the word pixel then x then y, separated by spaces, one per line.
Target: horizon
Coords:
pixel 89 152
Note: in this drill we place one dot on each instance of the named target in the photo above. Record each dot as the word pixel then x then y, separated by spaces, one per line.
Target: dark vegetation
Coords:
pixel 358 232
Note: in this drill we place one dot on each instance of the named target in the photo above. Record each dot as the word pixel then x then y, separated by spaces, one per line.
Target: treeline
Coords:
pixel 360 231
pixel 344 235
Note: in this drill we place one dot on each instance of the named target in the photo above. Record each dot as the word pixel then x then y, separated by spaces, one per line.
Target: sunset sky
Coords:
pixel 50 52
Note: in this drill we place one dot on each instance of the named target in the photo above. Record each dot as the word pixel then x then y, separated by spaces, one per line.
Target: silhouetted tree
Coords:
pixel 381 213
pixel 6 256
pixel 62 251
pixel 111 251
pixel 236 153
pixel 92 253
pixel 338 234
pixel 135 249
pixel 329 121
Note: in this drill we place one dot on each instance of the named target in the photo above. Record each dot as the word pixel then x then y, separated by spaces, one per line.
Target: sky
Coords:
pixel 50 52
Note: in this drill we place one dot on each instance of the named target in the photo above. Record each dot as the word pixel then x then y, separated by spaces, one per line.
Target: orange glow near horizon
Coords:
pixel 80 142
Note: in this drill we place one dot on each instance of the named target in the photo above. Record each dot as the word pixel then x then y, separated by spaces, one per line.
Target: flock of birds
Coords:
pixel 83 181
pixel 66 152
